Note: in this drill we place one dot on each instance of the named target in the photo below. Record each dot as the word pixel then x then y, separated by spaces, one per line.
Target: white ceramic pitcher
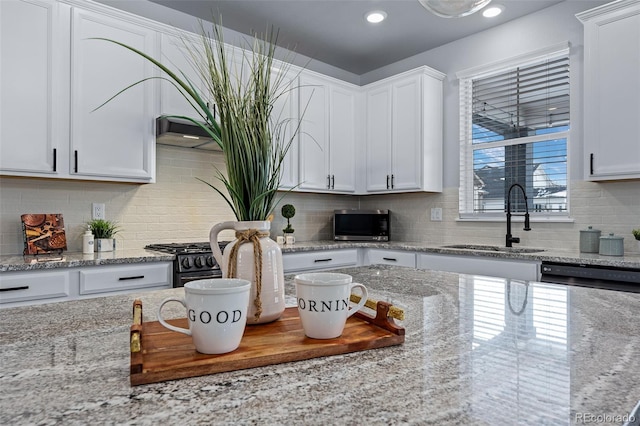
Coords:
pixel 272 287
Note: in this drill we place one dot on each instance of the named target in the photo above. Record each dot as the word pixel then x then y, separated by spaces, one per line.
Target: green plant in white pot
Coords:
pixel 104 232
pixel 636 235
pixel 254 142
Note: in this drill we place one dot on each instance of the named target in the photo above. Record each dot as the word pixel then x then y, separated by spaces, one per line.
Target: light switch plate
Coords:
pixel 436 214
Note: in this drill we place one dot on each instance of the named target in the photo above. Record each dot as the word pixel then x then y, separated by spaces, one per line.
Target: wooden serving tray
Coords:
pixel 158 354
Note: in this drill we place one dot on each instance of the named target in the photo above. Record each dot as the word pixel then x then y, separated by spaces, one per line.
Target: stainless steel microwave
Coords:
pixel 361 225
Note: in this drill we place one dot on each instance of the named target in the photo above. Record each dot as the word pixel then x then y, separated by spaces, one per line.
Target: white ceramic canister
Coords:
pixel 612 245
pixel 590 240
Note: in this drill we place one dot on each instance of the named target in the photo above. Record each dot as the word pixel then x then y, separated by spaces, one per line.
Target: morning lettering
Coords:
pixel 322 305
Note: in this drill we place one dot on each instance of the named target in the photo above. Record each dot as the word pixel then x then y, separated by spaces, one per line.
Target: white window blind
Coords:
pixel 514 128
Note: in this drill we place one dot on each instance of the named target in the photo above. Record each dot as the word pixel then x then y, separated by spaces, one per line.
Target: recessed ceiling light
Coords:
pixel 376 16
pixel 493 11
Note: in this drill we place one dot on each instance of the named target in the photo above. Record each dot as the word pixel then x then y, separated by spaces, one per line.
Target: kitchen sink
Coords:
pixel 477 247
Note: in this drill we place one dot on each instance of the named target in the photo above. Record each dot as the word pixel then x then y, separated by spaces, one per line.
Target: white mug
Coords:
pixel 290 239
pixel 280 239
pixel 323 302
pixel 216 311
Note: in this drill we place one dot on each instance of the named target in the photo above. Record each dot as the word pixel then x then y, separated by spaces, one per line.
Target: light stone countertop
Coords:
pixel 478 351
pixel 17 262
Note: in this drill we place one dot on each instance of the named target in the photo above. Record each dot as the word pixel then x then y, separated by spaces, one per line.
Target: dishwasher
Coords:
pixel 596 276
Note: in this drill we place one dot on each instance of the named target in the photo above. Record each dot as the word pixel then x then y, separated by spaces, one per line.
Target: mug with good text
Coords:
pixel 216 311
pixel 290 239
pixel 323 302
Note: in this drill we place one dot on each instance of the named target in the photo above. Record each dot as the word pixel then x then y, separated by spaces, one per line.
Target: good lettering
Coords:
pixel 221 317
pixel 323 305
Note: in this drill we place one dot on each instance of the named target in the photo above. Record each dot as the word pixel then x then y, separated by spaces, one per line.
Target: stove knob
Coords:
pixel 186 263
pixel 198 262
pixel 210 261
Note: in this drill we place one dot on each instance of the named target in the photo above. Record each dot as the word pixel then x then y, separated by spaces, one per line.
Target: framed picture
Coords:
pixel 43 233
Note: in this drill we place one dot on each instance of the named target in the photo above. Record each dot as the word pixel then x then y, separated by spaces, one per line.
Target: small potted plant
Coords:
pixel 636 234
pixel 288 211
pixel 103 231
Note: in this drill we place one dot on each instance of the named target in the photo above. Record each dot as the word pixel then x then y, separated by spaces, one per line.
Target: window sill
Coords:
pixel 516 219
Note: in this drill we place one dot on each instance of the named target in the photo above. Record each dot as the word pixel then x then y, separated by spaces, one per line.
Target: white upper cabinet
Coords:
pixel 404 132
pixel 34 87
pixel 342 138
pixel 175 56
pixel 612 91
pixel 53 77
pixel 327 135
pixel 284 122
pixel 117 140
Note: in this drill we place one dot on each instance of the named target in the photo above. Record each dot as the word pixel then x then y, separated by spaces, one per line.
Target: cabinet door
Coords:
pixel 314 133
pixel 342 137
pixel 284 124
pixel 34 57
pixel 175 56
pixel 406 155
pixel 117 140
pixel 612 94
pixel 378 139
pixel 319 260
pixel 34 287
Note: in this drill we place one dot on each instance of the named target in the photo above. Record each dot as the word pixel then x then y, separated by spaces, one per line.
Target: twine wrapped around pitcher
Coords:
pixel 259 262
pixel 253 236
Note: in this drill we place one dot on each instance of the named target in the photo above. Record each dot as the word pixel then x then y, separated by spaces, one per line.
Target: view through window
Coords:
pixel 514 129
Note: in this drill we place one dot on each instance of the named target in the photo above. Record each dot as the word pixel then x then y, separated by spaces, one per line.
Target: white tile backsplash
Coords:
pixel 178 207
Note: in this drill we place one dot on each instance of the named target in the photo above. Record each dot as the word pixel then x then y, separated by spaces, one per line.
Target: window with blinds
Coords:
pixel 514 128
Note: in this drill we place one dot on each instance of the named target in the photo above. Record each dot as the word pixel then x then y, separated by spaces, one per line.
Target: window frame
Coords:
pixel 465 79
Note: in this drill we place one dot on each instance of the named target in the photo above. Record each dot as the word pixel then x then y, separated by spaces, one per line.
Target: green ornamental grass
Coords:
pixel 253 141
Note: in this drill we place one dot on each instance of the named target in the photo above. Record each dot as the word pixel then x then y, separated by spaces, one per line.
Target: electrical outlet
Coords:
pixel 97 211
pixel 436 214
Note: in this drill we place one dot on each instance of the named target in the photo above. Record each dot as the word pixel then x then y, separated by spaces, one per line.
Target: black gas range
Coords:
pixel 194 261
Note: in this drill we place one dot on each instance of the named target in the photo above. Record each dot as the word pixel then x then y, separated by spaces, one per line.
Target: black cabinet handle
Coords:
pixel 387 181
pixel 55 159
pixel 135 277
pixel 24 287
pixel 392 178
pixel 323 260
pixel 591 163
pixel 333 181
pixel 75 161
pixel 390 259
pixel 328 181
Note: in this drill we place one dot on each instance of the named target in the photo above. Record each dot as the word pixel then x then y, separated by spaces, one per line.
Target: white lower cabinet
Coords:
pixel 119 278
pixel 389 257
pixel 504 268
pixel 37 287
pixel 319 260
pixel 42 286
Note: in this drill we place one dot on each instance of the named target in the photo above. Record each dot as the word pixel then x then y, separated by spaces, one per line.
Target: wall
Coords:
pixel 180 208
pixel 177 208
pixel 611 206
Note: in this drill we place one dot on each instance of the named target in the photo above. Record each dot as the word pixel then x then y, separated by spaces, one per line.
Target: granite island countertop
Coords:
pixel 478 351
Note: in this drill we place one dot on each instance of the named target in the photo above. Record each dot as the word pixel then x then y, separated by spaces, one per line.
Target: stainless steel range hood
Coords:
pixel 183 133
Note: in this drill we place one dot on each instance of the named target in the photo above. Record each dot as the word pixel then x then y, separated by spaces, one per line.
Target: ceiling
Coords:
pixel 335 31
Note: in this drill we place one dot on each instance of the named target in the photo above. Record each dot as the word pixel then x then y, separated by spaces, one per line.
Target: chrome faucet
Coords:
pixel 510 239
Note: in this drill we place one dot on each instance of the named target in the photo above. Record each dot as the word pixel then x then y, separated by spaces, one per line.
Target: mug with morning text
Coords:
pixel 216 312
pixel 323 302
